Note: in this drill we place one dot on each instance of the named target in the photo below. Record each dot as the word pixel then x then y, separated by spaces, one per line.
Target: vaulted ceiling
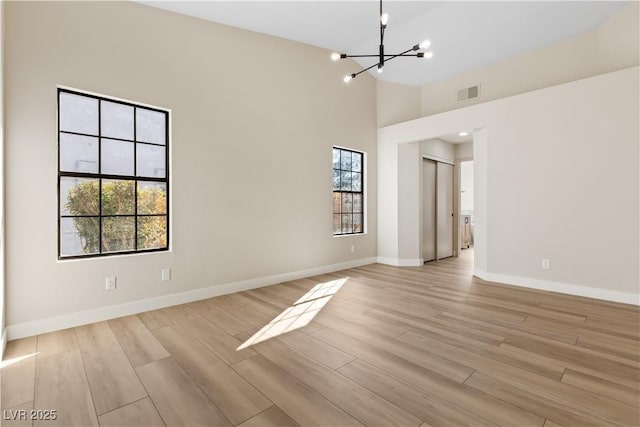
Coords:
pixel 464 34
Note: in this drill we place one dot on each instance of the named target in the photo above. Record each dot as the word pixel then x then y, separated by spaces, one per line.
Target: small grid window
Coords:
pixel 113 177
pixel 348 196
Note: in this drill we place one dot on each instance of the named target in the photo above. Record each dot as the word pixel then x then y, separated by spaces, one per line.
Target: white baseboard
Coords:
pixel 563 288
pixel 71 320
pixel 400 262
pixel 480 274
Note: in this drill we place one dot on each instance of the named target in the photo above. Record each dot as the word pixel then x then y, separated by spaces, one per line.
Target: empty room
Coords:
pixel 320 213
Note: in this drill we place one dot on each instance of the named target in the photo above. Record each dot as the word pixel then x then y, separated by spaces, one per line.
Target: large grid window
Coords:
pixel 348 196
pixel 113 177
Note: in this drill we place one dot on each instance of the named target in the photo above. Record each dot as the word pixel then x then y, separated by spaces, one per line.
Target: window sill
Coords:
pixel 113 256
pixel 338 236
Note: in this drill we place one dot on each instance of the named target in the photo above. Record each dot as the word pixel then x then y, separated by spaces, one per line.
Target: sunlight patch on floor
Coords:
pixel 18 359
pixel 300 314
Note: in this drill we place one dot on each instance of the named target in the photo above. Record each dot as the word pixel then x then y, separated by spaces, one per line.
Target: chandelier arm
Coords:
pixel 381 55
pixel 376 56
pixel 406 51
pixel 400 54
pixel 364 69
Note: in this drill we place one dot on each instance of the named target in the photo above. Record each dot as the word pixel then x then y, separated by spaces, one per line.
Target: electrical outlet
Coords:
pixel 353 248
pixel 546 264
pixel 166 274
pixel 110 283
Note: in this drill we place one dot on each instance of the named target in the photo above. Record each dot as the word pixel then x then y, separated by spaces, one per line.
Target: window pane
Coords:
pixel 357 203
pixel 356 162
pixel 152 198
pixel 347 202
pixel 358 227
pixel 150 126
pixel 336 158
pixel 336 179
pixel 117 157
pixel 118 234
pixel 336 202
pixel 78 236
pixel 345 160
pixel 118 197
pixel 78 153
pixel 150 161
pixel 336 224
pixel 347 221
pixel 345 180
pixel 78 113
pixel 79 196
pixel 117 120
pixel 152 232
pixel 356 181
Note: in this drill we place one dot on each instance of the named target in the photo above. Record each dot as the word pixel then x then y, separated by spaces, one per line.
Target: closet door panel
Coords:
pixel 429 210
pixel 444 210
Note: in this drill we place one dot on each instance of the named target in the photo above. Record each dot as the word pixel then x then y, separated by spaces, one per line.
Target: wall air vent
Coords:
pixel 469 93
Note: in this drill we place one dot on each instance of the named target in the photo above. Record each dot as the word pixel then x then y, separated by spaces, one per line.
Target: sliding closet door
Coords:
pixel 444 210
pixel 428 210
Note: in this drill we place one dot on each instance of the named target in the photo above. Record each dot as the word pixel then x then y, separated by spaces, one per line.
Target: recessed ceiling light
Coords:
pixel 463 134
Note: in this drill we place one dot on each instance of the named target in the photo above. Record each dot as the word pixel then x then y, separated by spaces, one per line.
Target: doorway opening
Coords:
pixel 466 205
pixel 447 197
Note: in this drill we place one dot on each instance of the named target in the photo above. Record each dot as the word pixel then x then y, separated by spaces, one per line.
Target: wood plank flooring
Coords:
pixel 374 346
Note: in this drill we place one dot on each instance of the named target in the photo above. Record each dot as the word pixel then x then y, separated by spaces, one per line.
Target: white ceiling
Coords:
pixel 455 138
pixel 464 34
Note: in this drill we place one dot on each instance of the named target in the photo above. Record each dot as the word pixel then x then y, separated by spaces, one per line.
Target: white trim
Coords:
pixel 480 274
pixel 401 262
pixel 3 344
pixel 438 159
pixel 71 320
pixel 563 288
pixel 112 98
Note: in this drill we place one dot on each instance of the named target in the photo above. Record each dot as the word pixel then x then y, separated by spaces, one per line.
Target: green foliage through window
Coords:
pixel 118 231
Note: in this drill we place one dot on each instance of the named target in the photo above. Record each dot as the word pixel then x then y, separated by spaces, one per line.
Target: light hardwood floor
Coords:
pixel 374 346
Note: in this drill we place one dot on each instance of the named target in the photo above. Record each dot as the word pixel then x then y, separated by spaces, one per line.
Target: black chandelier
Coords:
pixel 382 58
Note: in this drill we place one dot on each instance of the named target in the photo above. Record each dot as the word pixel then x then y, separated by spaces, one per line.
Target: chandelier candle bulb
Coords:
pixel 424 44
pixel 428 54
pixel 384 19
pixel 335 56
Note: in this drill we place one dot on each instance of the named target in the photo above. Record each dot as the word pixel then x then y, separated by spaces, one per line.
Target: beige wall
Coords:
pixel 557 176
pixel 553 192
pixel 253 122
pixel 464 151
pixel 613 46
pixel 397 103
pixel 2 292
